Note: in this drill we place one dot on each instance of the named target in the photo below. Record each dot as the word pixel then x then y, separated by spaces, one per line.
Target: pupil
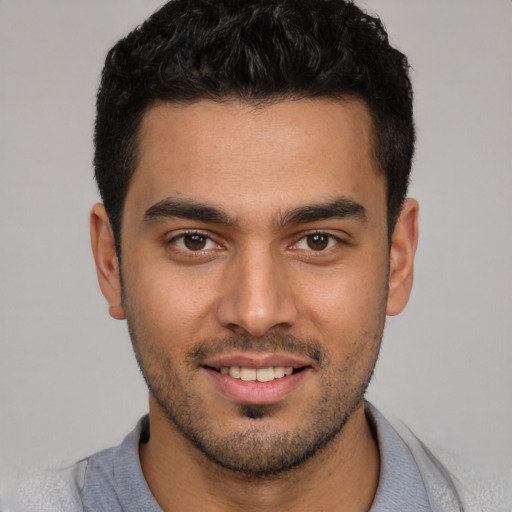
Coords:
pixel 318 242
pixel 195 242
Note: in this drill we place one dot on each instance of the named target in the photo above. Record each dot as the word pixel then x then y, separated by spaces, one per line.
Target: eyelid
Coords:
pixel 336 238
pixel 171 241
pixel 180 234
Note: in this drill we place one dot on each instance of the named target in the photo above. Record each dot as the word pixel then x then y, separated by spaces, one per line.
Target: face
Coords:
pixel 255 267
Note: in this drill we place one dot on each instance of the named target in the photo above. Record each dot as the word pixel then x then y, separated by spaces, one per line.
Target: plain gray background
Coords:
pixel 69 384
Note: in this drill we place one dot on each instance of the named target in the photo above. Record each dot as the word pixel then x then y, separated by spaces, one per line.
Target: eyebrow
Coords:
pixel 341 207
pixel 187 209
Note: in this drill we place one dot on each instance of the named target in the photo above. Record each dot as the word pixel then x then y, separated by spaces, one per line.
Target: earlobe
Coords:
pixel 105 257
pixel 401 260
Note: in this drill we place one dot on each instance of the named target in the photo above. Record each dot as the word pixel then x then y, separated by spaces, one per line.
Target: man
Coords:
pixel 253 161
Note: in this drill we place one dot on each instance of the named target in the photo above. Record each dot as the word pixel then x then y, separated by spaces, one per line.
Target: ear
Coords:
pixel 105 257
pixel 401 260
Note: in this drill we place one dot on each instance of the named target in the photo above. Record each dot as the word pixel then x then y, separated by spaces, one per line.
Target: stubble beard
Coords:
pixel 256 448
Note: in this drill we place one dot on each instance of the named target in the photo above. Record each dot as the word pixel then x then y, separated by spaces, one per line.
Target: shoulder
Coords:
pixel 108 480
pixel 451 483
pixel 55 490
pixel 69 489
pixel 410 468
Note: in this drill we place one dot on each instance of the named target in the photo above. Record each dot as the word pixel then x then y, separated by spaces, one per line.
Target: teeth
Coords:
pixel 278 372
pixel 248 373
pixel 234 371
pixel 261 375
pixel 265 374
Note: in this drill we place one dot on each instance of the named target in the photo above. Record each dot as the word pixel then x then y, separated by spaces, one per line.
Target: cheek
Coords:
pixel 346 299
pixel 166 302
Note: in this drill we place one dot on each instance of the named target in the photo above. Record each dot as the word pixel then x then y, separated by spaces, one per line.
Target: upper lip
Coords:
pixel 256 360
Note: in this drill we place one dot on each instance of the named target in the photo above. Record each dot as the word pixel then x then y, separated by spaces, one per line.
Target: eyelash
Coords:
pixel 332 241
pixel 173 242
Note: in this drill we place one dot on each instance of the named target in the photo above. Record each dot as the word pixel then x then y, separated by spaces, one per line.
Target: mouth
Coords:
pixel 257 379
pixel 247 374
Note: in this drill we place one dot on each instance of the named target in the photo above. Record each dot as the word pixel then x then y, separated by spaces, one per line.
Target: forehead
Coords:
pixel 240 156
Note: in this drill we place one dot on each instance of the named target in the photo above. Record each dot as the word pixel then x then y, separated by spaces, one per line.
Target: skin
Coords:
pixel 259 286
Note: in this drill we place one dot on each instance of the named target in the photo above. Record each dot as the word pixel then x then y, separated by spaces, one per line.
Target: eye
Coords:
pixel 193 242
pixel 316 242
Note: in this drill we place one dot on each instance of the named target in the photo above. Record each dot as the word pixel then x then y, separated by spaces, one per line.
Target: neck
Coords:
pixel 342 476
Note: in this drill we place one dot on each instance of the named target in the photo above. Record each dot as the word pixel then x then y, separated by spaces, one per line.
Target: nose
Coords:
pixel 257 295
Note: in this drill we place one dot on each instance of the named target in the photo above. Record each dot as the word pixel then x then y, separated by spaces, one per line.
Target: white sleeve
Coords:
pixel 45 491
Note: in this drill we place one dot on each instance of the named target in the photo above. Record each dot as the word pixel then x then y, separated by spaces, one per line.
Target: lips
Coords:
pixel 257 378
pixel 253 374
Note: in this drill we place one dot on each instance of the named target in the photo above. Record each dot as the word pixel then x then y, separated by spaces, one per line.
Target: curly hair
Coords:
pixel 255 51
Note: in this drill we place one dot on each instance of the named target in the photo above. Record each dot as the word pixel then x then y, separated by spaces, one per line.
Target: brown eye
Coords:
pixel 195 241
pixel 317 241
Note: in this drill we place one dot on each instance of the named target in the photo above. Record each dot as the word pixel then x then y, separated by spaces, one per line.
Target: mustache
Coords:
pixel 271 343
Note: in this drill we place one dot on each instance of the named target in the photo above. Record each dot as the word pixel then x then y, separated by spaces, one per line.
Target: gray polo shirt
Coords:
pixel 112 480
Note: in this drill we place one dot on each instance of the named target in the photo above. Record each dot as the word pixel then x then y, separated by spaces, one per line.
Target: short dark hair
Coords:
pixel 255 51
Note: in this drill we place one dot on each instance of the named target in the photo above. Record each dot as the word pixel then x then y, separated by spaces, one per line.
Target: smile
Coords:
pixel 245 384
pixel 253 374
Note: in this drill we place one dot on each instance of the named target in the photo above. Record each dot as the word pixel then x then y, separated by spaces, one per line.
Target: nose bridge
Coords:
pixel 256 297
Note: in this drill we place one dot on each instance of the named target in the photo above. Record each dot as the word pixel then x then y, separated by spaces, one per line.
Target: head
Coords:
pixel 258 52
pixel 253 159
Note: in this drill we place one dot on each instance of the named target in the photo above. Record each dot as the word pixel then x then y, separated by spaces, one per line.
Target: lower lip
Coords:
pixel 254 392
